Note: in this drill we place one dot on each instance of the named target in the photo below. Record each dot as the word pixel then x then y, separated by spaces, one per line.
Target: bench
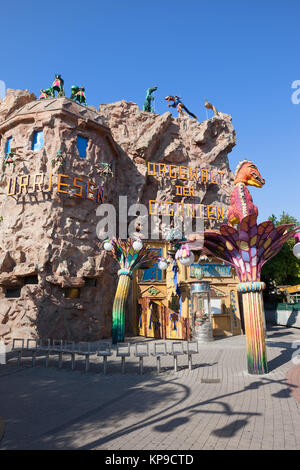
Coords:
pixel 104 350
pixel 48 348
pixel 32 345
pixel 160 349
pixel 18 347
pixel 191 348
pixel 123 351
pixel 86 349
pixel 177 350
pixel 141 351
pixel 69 348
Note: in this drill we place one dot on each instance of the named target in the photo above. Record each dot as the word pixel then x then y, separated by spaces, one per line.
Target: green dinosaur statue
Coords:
pixel 78 94
pixel 58 85
pixel 47 93
pixel 147 105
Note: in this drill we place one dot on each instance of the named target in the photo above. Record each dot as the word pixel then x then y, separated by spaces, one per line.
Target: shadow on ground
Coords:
pixel 64 409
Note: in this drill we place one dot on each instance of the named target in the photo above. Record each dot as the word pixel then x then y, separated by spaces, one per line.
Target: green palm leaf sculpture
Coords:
pixel 131 255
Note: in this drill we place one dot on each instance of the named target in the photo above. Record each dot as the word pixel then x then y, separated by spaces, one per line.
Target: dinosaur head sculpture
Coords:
pixel 248 174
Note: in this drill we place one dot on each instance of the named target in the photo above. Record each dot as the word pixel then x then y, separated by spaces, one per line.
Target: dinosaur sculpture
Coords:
pixel 78 94
pixel 58 85
pixel 180 106
pixel 246 249
pixel 211 106
pixel 45 94
pixel 148 101
pixel 241 203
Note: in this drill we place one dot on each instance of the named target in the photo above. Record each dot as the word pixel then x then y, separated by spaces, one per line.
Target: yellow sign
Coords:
pixel 39 182
pixel 197 175
pixel 171 208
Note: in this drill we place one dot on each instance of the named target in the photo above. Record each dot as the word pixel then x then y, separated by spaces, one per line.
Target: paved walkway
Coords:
pixel 216 406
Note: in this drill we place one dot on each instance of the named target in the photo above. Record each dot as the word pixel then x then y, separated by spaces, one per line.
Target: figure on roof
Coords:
pixel 211 106
pixel 149 99
pixel 45 94
pixel 58 86
pixel 179 104
pixel 78 94
pixel 241 202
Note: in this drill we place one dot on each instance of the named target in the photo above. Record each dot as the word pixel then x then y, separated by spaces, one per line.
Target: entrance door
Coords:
pixel 155 320
pixel 176 326
pixel 151 318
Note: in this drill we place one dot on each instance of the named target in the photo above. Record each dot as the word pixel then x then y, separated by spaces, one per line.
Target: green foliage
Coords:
pixel 284 268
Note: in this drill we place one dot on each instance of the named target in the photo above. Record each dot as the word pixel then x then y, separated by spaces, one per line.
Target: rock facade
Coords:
pixel 55 281
pixel 182 142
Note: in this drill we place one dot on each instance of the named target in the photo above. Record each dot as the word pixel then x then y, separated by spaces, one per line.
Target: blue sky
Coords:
pixel 241 55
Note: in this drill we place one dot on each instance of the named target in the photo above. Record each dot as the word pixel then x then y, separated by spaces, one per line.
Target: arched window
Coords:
pixel 38 141
pixel 8 145
pixel 82 145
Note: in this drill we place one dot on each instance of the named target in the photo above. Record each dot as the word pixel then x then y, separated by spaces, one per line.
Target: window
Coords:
pixel 38 141
pixel 153 273
pixel 90 282
pixel 72 292
pixel 31 280
pixel 82 145
pixel 8 145
pixel 13 293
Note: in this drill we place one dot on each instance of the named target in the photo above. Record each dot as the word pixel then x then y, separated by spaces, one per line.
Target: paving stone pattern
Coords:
pixel 217 405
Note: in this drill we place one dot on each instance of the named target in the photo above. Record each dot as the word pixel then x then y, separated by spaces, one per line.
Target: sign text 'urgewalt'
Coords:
pixel 195 176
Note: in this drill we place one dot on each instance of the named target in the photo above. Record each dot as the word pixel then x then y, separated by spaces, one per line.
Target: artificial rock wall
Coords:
pixel 181 142
pixel 50 236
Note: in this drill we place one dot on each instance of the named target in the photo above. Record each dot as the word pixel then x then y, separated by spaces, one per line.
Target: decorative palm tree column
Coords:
pixel 118 311
pixel 254 326
pixel 131 255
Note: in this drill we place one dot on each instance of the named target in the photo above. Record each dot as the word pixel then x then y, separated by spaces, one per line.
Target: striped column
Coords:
pixel 254 326
pixel 118 312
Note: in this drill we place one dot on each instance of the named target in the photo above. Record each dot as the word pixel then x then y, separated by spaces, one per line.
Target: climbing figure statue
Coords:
pixel 179 104
pixel 241 203
pixel 78 94
pixel 45 94
pixel 211 106
pixel 148 101
pixel 58 86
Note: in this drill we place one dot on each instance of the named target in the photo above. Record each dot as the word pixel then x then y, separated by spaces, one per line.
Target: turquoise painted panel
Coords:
pixel 38 141
pixel 212 270
pixel 153 273
pixel 82 145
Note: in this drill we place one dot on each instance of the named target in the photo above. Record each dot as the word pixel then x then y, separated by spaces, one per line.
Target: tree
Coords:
pixel 284 268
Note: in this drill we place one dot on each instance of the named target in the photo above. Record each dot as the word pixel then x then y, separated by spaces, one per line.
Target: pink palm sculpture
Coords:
pixel 247 249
